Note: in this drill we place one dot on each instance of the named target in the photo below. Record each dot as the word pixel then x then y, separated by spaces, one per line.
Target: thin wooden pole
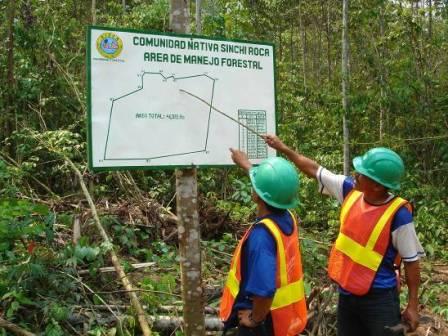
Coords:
pixel 198 16
pixel 187 212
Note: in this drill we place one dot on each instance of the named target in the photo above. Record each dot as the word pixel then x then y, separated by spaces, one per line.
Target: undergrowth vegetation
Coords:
pixel 54 285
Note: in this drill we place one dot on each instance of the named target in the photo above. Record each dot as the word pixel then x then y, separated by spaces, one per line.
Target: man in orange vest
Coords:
pixel 376 230
pixel 264 292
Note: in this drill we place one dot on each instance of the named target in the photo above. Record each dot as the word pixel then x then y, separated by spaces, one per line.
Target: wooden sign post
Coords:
pixel 187 212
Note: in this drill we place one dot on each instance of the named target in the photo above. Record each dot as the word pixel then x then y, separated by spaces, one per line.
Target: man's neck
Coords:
pixel 376 198
pixel 262 210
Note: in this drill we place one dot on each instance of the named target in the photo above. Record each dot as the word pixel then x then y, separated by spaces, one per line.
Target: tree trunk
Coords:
pixel 180 16
pixel 319 46
pixel 11 15
pixel 328 29
pixel 304 46
pixel 292 50
pixel 10 72
pixel 189 250
pixel 430 19
pixel 382 82
pixel 93 12
pixel 199 17
pixel 345 88
pixel 187 212
pixel 280 46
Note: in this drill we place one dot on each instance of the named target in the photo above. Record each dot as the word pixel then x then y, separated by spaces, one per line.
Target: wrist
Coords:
pixel 413 305
pixel 254 321
pixel 412 300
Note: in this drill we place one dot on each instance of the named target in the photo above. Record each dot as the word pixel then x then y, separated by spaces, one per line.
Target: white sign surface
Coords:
pixel 139 116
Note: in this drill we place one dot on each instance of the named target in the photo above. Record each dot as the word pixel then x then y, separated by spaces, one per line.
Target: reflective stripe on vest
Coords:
pixel 365 255
pixel 289 294
pixel 288 308
pixel 232 283
pixel 286 294
pixel 362 242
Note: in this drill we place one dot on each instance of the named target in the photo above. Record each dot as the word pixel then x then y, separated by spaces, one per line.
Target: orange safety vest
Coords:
pixel 362 242
pixel 288 309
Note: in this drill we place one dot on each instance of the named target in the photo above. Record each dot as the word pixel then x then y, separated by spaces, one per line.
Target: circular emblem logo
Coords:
pixel 109 45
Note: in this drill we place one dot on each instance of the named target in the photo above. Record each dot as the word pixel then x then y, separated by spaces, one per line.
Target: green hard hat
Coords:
pixel 276 181
pixel 382 165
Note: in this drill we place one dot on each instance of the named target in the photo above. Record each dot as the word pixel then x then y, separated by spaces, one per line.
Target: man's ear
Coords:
pixel 255 197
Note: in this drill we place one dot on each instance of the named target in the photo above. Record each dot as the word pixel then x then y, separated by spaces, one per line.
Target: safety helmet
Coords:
pixel 276 181
pixel 382 165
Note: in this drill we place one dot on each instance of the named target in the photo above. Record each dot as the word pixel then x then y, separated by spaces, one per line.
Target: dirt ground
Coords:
pixel 430 324
pixel 433 274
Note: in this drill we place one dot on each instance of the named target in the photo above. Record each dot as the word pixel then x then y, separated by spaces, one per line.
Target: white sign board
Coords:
pixel 139 117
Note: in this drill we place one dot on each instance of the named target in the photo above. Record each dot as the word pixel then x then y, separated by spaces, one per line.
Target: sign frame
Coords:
pixel 169 34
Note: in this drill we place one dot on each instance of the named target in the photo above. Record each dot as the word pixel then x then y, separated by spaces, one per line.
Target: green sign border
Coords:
pixel 151 32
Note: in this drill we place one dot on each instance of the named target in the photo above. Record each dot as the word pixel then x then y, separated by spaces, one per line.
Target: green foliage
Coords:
pixel 22 223
pixel 151 16
pixel 314 256
pixel 32 270
pixel 435 297
pixel 54 329
pixel 398 79
pixel 161 253
pixel 218 252
pixel 10 179
pixel 433 235
pixel 243 192
pixel 430 208
pixel 39 157
pixel 58 312
pixel 237 212
pixel 82 254
pixel 160 290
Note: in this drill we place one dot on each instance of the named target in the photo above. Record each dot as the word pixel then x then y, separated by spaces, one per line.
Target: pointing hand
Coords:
pixel 240 159
pixel 274 142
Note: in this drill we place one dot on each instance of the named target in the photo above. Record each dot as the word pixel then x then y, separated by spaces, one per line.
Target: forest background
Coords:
pixel 50 281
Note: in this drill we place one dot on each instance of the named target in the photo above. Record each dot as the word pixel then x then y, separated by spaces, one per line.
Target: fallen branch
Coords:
pixel 115 261
pixel 165 323
pixel 440 271
pixel 91 291
pixel 168 309
pixel 14 328
pixel 138 290
pixel 165 309
pixel 320 308
pixel 111 268
pixel 76 229
pixel 315 241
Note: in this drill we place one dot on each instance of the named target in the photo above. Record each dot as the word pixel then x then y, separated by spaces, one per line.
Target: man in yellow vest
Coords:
pixel 264 292
pixel 376 230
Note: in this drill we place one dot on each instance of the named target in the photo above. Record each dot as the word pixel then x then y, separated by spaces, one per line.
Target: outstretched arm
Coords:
pixel 410 314
pixel 304 164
